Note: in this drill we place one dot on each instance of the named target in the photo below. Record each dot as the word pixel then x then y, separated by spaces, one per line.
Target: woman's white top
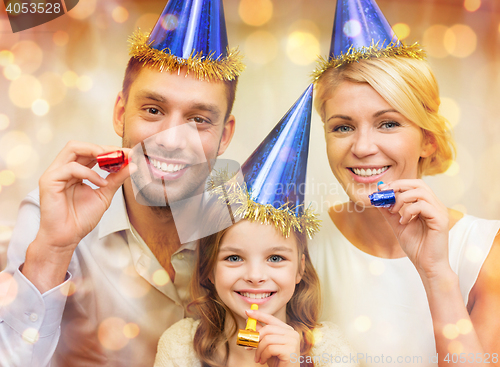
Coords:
pixel 380 304
pixel 175 348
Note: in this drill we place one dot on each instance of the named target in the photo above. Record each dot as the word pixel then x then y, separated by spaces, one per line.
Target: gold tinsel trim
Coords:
pixel 283 218
pixel 204 67
pixel 353 54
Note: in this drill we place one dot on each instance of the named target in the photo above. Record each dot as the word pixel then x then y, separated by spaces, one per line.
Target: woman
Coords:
pixel 418 278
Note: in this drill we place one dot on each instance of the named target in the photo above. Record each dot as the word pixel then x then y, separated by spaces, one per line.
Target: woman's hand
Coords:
pixel 421 224
pixel 278 341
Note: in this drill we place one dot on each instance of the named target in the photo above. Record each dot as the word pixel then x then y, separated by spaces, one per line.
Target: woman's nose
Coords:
pixel 364 143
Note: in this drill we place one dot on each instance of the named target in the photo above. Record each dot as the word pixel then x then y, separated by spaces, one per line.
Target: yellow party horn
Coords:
pixel 250 336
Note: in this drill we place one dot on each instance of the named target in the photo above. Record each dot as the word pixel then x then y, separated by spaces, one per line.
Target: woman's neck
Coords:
pixel 366 229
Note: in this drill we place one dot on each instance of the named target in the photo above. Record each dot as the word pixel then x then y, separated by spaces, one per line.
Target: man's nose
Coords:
pixel 175 135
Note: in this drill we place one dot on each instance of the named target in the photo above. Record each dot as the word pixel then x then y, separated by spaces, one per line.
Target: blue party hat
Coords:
pixel 189 33
pixel 275 174
pixel 360 31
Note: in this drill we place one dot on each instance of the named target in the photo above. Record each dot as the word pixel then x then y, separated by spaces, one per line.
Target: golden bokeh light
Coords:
pixel 12 139
pixel 30 335
pixel 488 178
pixel 84 83
pixel 255 12
pixel 464 326
pixel 83 9
pixel 110 333
pixel 305 25
pixel 460 40
pixel 7 177
pixel 28 55
pixel 53 88
pixel 450 331
pixel 70 78
pixel 261 47
pixel 120 14
pixel 68 289
pixel 474 254
pixel 25 90
pixel 160 277
pixel 5 236
pixel 12 72
pixel 6 58
pixel 21 154
pixel 8 289
pixel 376 267
pixel 433 40
pixel 4 121
pixel 455 347
pixel 362 323
pixel 131 330
pixel 40 107
pixel 60 38
pixel 146 22
pixel 472 5
pixel 453 170
pixel 450 109
pixel 44 135
pixel 402 30
pixel 302 48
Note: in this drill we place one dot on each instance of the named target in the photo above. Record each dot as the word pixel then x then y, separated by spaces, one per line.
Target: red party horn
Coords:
pixel 112 161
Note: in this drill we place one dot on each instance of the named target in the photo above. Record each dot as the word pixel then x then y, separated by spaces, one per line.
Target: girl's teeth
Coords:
pixel 255 295
pixel 369 172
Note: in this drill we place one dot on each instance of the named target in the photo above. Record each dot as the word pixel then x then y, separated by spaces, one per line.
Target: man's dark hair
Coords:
pixel 134 67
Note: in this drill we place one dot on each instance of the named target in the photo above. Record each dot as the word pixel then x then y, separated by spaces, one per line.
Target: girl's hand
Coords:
pixel 278 341
pixel 420 222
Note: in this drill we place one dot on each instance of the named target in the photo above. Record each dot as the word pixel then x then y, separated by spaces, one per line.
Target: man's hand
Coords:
pixel 69 210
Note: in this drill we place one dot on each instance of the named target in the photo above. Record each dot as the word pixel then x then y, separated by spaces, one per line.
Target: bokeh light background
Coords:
pixel 59 81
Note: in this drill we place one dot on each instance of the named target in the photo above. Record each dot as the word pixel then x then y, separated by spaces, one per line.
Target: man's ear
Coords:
pixel 227 134
pixel 119 114
pixel 302 265
pixel 429 145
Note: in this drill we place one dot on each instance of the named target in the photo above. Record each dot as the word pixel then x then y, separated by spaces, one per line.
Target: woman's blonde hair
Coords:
pixel 302 311
pixel 410 87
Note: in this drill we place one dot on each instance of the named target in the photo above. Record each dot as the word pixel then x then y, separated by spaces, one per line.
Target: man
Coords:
pixel 96 275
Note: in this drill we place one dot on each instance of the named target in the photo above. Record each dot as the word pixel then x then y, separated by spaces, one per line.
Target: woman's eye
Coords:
pixel 233 258
pixel 390 125
pixel 275 258
pixel 342 129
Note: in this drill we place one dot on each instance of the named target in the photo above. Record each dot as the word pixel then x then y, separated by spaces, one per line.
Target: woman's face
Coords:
pixel 369 141
pixel 256 264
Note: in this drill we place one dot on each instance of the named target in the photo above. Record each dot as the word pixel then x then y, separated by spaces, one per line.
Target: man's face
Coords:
pixel 175 125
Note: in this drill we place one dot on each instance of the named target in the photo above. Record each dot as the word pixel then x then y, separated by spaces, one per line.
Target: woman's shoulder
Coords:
pixel 175 347
pixel 331 346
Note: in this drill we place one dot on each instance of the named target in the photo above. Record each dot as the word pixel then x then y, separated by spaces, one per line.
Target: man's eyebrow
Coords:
pixel 211 108
pixel 146 94
pixel 380 113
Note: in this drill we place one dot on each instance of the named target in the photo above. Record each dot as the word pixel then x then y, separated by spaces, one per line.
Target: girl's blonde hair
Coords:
pixel 410 87
pixel 302 311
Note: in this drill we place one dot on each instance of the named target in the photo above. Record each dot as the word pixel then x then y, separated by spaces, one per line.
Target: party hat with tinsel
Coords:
pixel 360 31
pixel 275 174
pixel 192 34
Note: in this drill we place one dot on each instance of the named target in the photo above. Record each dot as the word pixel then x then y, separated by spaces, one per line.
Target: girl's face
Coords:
pixel 256 264
pixel 369 141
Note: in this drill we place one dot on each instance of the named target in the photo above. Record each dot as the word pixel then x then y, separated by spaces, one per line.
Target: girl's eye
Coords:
pixel 275 258
pixel 233 258
pixel 342 129
pixel 390 125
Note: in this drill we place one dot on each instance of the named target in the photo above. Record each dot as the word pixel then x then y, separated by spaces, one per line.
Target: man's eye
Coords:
pixel 199 120
pixel 153 111
pixel 275 258
pixel 233 258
